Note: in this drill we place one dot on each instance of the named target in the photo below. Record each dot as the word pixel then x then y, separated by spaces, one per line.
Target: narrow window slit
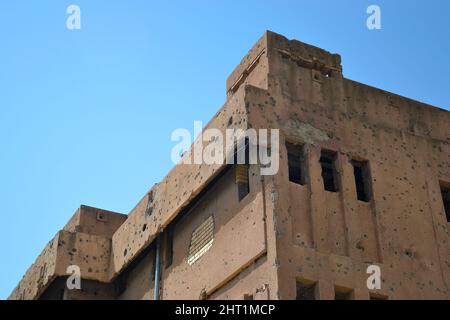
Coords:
pixel 362 180
pixel 306 290
pixel 169 246
pixel 296 163
pixel 329 174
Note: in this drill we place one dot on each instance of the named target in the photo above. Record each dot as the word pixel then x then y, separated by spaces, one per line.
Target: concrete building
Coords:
pixel 364 179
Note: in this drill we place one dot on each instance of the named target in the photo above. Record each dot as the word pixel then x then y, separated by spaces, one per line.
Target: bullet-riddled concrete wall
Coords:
pixel 85 241
pixel 239 240
pixel 282 233
pixel 331 237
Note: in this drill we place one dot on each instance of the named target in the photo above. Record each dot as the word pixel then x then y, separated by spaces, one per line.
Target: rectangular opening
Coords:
pixel 341 293
pixel 445 192
pixel 306 290
pixel 242 180
pixel 377 296
pixel 327 162
pixel 362 180
pixel 169 246
pixel 120 285
pixel 296 163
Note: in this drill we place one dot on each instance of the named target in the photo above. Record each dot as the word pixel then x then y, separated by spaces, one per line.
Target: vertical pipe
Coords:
pixel 157 267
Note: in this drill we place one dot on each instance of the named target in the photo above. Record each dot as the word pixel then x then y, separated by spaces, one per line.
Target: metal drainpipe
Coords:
pixel 157 267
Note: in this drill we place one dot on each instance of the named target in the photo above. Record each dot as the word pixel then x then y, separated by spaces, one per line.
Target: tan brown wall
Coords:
pixel 95 221
pixel 252 69
pixel 89 252
pixel 332 237
pixel 239 240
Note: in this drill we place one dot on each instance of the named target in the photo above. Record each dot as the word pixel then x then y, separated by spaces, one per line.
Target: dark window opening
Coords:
pixel 242 169
pixel 248 297
pixel 169 246
pixel 362 180
pixel 343 294
pixel 150 204
pixel 445 192
pixel 296 163
pixel 327 162
pixel 306 291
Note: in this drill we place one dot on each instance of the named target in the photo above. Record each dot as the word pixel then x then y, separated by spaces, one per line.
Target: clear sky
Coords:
pixel 86 115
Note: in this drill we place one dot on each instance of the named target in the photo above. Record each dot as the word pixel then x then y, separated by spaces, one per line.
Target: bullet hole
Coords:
pixel 144 227
pixel 409 253
pixel 125 252
pixel 359 246
pixel 100 217
pixel 230 121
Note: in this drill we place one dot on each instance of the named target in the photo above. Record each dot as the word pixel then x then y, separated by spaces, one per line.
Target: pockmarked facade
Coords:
pixel 362 191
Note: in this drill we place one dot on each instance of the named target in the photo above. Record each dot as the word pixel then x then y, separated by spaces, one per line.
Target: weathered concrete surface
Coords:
pixel 84 241
pixel 331 237
pixel 282 233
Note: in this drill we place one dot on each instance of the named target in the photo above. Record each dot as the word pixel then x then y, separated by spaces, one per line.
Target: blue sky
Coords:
pixel 86 115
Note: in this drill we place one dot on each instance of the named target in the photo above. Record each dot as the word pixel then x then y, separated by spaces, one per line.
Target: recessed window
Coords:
pixel 327 162
pixel 306 290
pixel 341 293
pixel 242 180
pixel 445 192
pixel 362 180
pixel 296 163
pixel 201 240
